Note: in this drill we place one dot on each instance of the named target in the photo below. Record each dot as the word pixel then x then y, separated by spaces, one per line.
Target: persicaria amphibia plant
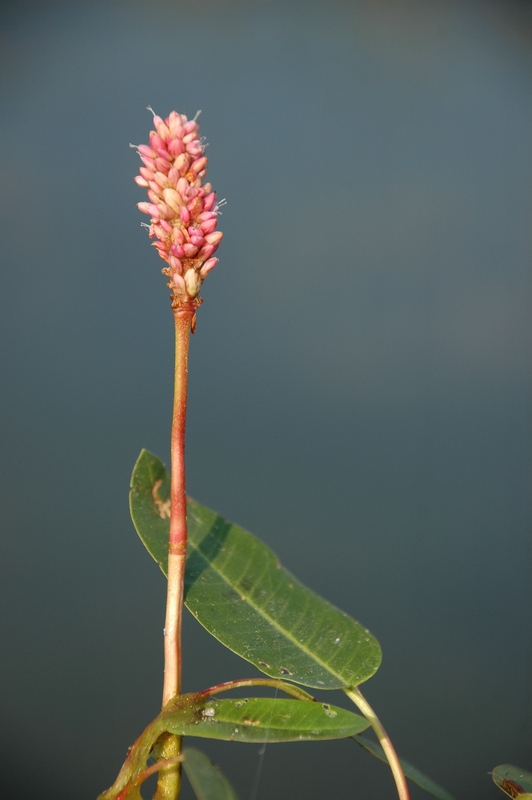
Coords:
pixel 236 587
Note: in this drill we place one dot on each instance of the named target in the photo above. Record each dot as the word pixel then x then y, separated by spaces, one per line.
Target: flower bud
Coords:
pixel 192 282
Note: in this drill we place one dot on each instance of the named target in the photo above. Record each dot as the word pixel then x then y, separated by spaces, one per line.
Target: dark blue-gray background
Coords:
pixel 358 382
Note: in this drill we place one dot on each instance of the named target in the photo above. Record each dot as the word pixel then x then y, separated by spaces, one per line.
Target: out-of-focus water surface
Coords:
pixel 359 378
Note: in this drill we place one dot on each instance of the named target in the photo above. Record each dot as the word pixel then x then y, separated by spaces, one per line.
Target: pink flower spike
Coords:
pixel 183 209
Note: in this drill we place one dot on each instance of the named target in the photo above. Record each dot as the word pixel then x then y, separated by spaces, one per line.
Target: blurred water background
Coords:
pixel 359 379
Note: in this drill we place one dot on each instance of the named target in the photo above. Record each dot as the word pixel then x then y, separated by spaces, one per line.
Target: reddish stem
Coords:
pixel 273 683
pixel 169 782
pixel 177 539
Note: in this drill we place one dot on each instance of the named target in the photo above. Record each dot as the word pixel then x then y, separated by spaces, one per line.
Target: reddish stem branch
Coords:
pixel 272 683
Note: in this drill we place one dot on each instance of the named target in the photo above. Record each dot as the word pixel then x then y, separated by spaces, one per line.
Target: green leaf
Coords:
pixel 206 779
pixel 411 772
pixel 237 589
pixel 265 719
pixel 255 719
pixel 516 782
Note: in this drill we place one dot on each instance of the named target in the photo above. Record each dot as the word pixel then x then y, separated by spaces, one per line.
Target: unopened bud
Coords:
pixel 192 282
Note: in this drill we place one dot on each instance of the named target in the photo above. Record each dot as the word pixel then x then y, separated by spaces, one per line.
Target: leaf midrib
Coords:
pixel 268 618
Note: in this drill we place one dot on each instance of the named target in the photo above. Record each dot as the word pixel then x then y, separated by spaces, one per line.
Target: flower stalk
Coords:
pixel 169 779
pixel 183 217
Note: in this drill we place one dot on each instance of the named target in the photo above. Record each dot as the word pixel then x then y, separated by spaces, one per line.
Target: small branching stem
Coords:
pixel 169 783
pixel 272 683
pixel 393 760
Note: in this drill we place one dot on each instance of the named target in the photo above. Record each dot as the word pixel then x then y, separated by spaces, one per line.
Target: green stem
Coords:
pixel 169 782
pixel 393 760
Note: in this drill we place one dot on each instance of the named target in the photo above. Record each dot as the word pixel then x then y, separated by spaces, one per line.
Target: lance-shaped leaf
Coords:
pixel 265 719
pixel 256 719
pixel 206 779
pixel 516 782
pixel 237 589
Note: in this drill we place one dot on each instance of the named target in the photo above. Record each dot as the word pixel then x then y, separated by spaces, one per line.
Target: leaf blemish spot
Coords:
pixel 264 664
pixel 285 671
pixel 163 506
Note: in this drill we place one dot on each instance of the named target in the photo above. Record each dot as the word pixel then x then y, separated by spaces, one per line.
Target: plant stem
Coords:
pixel 272 683
pixel 393 760
pixel 169 783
